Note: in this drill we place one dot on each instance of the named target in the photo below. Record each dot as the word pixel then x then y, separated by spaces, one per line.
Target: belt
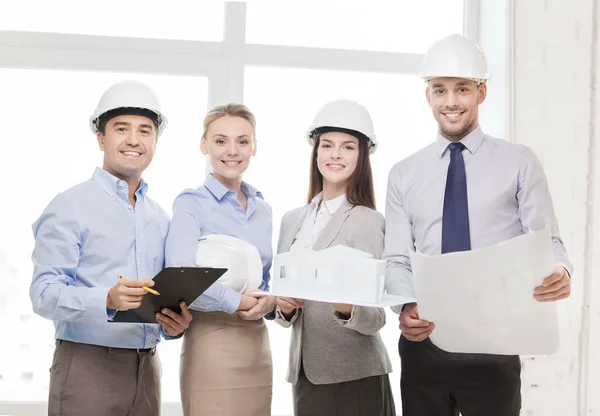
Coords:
pixel 146 350
pixel 109 350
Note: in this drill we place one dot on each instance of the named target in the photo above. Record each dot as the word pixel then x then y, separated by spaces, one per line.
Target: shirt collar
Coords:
pixel 219 190
pixel 331 206
pixel 472 141
pixel 111 184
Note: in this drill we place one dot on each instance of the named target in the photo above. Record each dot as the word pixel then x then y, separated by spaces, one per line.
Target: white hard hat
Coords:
pixel 455 56
pixel 128 94
pixel 240 258
pixel 346 116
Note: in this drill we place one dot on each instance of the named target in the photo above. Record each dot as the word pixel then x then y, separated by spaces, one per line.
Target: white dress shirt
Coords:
pixel 319 216
pixel 506 189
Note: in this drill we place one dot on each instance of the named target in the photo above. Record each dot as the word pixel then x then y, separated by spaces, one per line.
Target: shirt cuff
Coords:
pixel 398 308
pixel 95 300
pixel 271 315
pixel 111 313
pixel 231 301
pixel 168 337
pixel 279 313
pixel 566 267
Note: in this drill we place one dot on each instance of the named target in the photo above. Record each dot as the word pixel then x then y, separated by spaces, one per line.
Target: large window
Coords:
pixel 189 19
pixel 271 55
pixel 398 26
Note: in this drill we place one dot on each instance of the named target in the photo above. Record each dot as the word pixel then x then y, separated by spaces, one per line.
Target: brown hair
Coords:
pixel 359 190
pixel 125 111
pixel 231 110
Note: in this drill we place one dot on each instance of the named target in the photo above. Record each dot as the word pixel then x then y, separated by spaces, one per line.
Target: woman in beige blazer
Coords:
pixel 338 364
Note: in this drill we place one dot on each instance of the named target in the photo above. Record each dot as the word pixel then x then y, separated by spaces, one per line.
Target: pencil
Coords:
pixel 147 289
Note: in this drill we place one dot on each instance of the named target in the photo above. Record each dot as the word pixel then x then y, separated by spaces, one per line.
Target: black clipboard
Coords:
pixel 175 284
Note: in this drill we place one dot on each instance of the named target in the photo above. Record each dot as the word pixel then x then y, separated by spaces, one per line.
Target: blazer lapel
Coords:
pixel 292 231
pixel 332 229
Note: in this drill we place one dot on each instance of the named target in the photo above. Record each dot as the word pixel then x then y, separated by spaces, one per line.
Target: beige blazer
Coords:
pixel 332 349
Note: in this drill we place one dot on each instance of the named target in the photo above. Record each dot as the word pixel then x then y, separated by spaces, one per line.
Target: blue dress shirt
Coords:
pixel 87 236
pixel 214 209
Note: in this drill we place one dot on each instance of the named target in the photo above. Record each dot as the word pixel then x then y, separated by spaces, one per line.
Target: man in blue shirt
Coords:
pixel 87 236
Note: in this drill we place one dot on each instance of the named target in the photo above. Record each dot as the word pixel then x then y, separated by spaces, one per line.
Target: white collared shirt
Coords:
pixel 316 220
pixel 506 187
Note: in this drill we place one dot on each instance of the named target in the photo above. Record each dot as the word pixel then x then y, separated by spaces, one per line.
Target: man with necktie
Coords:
pixel 465 191
pixel 86 237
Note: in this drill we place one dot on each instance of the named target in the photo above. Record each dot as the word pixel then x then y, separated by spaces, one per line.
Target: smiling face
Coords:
pixel 337 156
pixel 128 143
pixel 229 141
pixel 454 103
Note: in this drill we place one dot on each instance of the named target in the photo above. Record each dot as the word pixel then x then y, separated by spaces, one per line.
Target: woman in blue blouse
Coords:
pixel 226 366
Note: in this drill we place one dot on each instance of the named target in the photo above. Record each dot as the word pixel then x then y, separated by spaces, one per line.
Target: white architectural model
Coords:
pixel 338 274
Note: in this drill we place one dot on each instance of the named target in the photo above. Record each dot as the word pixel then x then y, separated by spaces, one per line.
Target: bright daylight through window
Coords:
pixel 48 147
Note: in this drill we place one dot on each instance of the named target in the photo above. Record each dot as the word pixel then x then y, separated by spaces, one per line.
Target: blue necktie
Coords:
pixel 455 220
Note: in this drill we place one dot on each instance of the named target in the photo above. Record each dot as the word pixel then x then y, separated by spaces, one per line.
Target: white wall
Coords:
pixel 554 58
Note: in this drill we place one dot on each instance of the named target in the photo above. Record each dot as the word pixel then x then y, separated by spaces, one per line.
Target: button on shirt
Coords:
pixel 316 220
pixel 87 236
pixel 214 209
pixel 506 190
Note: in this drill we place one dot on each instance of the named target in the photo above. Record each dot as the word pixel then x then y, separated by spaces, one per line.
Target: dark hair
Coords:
pixel 359 190
pixel 129 111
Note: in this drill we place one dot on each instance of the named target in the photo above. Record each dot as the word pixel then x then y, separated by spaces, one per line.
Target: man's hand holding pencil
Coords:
pixel 127 294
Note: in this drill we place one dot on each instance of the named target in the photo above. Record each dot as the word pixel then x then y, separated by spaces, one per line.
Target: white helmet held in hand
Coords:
pixel 345 116
pixel 129 95
pixel 455 56
pixel 240 258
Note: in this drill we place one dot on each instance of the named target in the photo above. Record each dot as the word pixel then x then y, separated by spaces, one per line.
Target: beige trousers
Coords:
pixel 226 367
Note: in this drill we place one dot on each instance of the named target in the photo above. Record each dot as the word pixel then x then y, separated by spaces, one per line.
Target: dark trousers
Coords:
pixel 438 383
pixel 89 380
pixel 370 396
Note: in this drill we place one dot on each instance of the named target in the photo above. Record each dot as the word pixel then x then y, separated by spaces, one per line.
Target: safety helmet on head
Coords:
pixel 345 116
pixel 240 258
pixel 455 56
pixel 129 95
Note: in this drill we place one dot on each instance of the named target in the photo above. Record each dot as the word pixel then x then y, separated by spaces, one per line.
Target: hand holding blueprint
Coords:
pixel 481 301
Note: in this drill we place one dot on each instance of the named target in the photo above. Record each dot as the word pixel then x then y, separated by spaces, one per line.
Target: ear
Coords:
pixel 203 146
pixel 428 95
pixel 100 138
pixel 481 93
pixel 254 147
